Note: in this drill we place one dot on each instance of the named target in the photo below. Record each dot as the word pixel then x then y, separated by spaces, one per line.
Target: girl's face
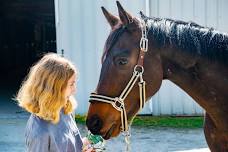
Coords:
pixel 71 86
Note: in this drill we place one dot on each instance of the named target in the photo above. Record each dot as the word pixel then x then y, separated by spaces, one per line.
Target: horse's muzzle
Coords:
pixel 94 124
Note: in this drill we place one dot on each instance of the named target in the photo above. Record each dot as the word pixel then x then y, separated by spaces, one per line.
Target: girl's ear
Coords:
pixel 112 20
pixel 125 17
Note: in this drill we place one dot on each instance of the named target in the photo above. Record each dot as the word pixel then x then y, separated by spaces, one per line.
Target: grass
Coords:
pixel 160 121
pixel 80 119
pixel 167 121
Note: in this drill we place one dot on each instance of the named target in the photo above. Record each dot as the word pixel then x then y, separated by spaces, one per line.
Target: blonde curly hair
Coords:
pixel 43 90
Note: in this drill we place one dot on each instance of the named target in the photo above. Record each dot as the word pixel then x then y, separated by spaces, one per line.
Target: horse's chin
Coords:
pixel 113 131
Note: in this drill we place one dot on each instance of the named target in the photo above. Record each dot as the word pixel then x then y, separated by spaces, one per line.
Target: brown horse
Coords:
pixel 193 57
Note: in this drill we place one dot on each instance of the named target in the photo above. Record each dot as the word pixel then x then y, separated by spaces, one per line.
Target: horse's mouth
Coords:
pixel 108 134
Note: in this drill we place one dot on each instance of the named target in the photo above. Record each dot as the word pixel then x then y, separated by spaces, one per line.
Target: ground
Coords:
pixel 143 139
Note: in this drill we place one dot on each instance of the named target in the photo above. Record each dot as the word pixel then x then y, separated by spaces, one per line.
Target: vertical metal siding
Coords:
pixel 82 31
pixel 211 13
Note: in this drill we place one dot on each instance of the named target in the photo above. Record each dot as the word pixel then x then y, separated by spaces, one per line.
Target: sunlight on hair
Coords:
pixel 43 90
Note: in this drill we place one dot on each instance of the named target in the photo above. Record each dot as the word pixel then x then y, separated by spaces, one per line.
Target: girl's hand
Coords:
pixel 88 148
pixel 87 145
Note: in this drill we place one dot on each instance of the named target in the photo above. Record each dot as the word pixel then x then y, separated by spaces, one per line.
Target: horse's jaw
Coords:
pixel 111 132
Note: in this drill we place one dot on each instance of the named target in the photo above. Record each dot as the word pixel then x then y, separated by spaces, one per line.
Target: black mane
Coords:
pixel 191 37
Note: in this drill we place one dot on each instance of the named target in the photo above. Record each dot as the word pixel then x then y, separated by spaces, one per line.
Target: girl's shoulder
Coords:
pixel 37 126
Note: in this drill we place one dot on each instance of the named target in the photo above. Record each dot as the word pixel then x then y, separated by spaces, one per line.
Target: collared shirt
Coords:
pixel 43 136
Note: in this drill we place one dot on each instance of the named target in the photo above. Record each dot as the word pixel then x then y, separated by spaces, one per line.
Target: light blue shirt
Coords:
pixel 43 136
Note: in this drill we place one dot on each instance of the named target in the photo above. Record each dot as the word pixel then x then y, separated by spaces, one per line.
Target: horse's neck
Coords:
pixel 204 81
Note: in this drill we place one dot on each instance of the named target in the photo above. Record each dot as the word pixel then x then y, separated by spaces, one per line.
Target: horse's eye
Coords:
pixel 121 61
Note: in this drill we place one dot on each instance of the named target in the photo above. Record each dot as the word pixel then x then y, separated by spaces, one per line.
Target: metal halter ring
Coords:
pixel 138 68
pixel 118 104
pixel 144 44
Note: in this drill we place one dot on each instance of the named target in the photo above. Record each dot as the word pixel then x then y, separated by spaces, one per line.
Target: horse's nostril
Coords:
pixel 94 124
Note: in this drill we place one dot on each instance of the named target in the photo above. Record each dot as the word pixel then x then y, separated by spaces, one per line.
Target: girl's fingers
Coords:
pixel 88 148
pixel 85 141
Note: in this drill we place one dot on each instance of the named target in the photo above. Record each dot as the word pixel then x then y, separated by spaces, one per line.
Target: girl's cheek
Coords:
pixel 73 91
pixel 67 93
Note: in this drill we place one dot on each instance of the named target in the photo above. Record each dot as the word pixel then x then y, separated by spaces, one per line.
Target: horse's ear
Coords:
pixel 112 20
pixel 125 17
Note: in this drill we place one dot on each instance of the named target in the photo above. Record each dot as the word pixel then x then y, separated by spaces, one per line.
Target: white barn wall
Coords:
pixel 211 13
pixel 82 31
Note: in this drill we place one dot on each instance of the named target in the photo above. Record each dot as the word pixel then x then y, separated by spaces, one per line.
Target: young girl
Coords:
pixel 47 95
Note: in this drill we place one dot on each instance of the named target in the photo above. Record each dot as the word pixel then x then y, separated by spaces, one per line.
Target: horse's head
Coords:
pixel 121 54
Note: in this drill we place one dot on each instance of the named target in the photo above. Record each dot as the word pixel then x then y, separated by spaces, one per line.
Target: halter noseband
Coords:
pixel 118 102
